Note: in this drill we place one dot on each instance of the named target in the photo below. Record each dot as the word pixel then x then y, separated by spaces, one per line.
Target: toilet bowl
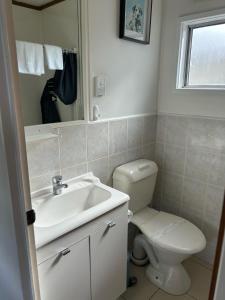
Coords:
pixel 166 240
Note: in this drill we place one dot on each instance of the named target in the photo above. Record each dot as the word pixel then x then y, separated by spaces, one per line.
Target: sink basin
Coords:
pixel 85 199
pixel 52 210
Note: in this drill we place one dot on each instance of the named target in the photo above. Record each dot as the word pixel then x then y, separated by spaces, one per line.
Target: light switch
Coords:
pixel 100 86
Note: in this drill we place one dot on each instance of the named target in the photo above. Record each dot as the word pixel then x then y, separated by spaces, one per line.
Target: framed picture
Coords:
pixel 135 20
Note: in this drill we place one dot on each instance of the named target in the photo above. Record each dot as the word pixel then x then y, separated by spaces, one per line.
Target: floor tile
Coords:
pixel 197 260
pixel 144 288
pixel 160 295
pixel 200 280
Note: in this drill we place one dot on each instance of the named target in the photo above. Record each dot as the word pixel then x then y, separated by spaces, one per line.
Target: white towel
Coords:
pixel 54 57
pixel 30 58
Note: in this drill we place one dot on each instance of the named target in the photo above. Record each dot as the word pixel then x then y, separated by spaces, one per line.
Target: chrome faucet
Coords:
pixel 58 186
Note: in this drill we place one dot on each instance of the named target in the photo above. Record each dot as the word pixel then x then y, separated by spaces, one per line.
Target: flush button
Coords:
pixel 65 252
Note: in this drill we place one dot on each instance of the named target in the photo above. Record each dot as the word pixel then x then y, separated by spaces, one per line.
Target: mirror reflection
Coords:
pixel 48 53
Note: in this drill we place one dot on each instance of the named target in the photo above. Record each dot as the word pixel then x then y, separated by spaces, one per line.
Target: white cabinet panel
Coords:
pixel 67 277
pixel 109 258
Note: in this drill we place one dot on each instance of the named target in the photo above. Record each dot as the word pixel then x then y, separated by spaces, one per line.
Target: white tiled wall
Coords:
pixel 191 156
pixel 97 147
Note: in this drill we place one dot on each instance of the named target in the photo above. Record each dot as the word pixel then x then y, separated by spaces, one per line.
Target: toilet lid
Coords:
pixel 173 233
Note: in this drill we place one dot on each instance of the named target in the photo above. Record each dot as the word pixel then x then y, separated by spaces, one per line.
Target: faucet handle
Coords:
pixel 57 179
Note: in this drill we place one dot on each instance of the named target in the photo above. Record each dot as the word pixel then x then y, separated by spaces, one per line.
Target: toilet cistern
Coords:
pixel 58 185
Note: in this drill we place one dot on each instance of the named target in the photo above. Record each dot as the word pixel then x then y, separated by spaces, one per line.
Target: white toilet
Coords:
pixel 166 240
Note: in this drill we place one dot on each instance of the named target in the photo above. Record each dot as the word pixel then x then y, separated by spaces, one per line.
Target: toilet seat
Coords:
pixel 169 231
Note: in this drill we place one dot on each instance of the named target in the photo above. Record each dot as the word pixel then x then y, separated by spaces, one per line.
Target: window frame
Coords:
pixel 186 27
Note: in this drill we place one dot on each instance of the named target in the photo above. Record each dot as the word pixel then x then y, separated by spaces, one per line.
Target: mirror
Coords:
pixel 56 95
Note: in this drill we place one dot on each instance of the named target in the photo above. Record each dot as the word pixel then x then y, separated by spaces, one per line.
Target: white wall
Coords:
pixel 170 100
pixel 131 69
pixel 60 24
pixel 28 27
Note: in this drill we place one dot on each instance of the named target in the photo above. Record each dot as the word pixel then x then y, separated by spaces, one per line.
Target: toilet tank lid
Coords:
pixel 136 170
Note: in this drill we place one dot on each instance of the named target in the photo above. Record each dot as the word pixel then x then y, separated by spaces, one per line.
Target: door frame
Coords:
pixel 12 139
pixel 12 143
pixel 218 258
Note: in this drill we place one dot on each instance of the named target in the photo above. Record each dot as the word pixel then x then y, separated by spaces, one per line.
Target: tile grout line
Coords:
pixel 163 161
pixel 154 294
pixel 108 164
pixel 195 261
pixel 184 172
pixel 59 141
pixel 192 296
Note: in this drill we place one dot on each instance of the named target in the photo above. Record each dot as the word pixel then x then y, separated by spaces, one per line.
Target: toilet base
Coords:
pixel 172 279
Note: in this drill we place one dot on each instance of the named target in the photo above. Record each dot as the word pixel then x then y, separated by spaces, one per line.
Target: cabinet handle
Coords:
pixel 65 252
pixel 111 224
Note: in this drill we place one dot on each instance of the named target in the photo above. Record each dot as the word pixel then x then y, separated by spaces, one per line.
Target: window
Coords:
pixel 201 63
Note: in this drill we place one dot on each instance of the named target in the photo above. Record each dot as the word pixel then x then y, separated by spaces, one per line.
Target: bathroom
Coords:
pixel 118 194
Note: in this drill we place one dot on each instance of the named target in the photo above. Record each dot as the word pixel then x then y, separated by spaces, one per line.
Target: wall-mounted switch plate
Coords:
pixel 100 86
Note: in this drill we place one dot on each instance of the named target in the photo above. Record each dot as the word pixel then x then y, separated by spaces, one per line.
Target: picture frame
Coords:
pixel 135 20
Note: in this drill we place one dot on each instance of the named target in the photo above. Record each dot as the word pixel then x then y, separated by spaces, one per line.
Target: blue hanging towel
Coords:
pixel 49 109
pixel 66 79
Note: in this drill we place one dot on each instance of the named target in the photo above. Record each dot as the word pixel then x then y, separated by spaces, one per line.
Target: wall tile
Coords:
pixel 80 146
pixel 134 154
pixel 217 170
pixel 97 139
pixel 174 159
pixel 149 152
pixel 193 201
pixel 135 132
pixel 176 130
pixel 172 192
pixel 160 154
pixel 38 183
pixel 75 171
pixel 219 133
pixel 158 193
pixel 208 254
pixel 149 132
pixel 43 157
pixel 161 128
pixel 73 146
pixel 118 140
pixel 116 161
pixel 192 148
pixel 213 210
pixel 199 133
pixel 198 164
pixel 100 168
pixel 207 133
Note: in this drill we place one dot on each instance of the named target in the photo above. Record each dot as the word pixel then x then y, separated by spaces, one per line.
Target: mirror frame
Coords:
pixel 84 70
pixel 85 60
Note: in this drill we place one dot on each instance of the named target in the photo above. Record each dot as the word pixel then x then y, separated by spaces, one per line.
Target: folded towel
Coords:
pixel 30 58
pixel 54 57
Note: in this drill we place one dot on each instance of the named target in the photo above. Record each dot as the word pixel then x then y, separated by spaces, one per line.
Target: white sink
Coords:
pixel 85 199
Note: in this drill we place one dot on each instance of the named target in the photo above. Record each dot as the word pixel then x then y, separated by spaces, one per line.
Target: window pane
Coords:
pixel 207 61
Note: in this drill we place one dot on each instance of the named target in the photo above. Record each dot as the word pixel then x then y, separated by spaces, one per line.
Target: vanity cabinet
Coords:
pixel 67 274
pixel 109 258
pixel 87 263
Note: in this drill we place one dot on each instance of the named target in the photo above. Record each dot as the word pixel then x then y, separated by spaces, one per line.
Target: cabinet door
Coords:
pixel 109 259
pixel 67 275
